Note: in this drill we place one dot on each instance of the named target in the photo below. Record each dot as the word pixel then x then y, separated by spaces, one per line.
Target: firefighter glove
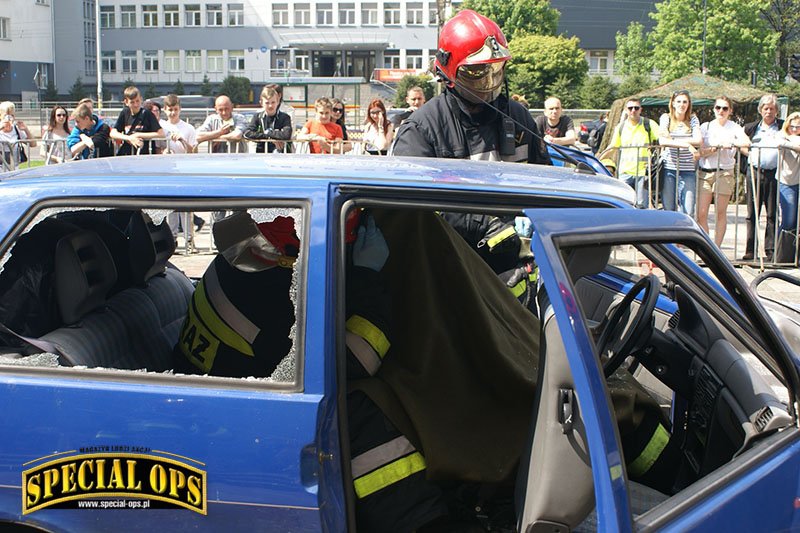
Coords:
pixel 370 249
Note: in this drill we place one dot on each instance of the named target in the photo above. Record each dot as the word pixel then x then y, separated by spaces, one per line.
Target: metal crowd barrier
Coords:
pixel 744 178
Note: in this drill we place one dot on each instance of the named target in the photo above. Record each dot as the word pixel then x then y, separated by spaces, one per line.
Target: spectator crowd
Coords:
pixel 674 163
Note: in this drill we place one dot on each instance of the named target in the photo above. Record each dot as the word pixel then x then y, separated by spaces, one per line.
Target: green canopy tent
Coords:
pixel 703 90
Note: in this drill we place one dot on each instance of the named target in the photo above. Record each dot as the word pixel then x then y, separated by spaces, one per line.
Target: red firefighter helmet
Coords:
pixel 469 39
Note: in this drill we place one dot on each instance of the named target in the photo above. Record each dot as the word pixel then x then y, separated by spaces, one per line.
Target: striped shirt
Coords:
pixel 680 132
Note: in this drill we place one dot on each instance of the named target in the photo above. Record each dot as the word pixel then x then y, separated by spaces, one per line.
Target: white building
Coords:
pixel 162 41
pixel 26 46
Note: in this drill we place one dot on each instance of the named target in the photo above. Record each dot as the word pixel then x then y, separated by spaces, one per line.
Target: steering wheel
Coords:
pixel 619 344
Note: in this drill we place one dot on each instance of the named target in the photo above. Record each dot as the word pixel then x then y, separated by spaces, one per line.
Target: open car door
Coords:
pixel 732 421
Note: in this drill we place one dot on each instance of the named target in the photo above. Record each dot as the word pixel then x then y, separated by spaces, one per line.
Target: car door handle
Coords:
pixel 566 401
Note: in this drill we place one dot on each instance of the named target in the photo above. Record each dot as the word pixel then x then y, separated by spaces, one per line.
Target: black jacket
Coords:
pixel 262 126
pixel 443 128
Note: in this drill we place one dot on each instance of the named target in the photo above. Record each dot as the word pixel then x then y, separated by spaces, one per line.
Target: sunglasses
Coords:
pixel 793 127
pixel 721 108
pixel 61 114
pixel 337 110
pixel 634 107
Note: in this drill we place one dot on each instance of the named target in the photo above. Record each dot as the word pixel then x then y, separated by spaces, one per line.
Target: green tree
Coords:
pixel 635 83
pixel 525 16
pixel 783 16
pixel 77 91
pixel 50 93
pixel 178 88
pixel 738 39
pixel 412 80
pixel 205 88
pixel 538 62
pixel 597 92
pixel 565 90
pixel 633 54
pixel 150 91
pixel 237 88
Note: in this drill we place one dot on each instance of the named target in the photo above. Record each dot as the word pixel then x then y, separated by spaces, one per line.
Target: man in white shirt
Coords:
pixel 181 136
pixel 224 125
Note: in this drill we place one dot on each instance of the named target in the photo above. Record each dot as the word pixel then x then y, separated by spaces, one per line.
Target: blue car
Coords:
pixel 104 433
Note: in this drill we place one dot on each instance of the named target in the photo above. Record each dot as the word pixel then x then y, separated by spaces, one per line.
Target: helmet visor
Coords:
pixel 481 83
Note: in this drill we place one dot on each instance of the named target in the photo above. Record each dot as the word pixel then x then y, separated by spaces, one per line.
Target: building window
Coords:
pixel 599 60
pixel 369 14
pixel 150 16
pixel 194 63
pixel 324 14
pixel 89 68
pixel 213 14
pixel 414 14
pixel 414 59
pixel 347 14
pixel 192 15
pixel 235 60
pixel 214 60
pixel 391 14
pixel 129 61
pixel 235 14
pixel 5 28
pixel 42 3
pixel 302 14
pixel 280 14
pixel 172 16
pixel 301 62
pixel 109 61
pixel 150 60
pixel 172 61
pixel 107 19
pixel 433 14
pixel 391 59
pixel 127 16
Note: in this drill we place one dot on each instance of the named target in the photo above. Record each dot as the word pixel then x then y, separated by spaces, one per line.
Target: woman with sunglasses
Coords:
pixel 717 177
pixel 57 130
pixel 790 172
pixel 338 112
pixel 679 132
pixel 379 132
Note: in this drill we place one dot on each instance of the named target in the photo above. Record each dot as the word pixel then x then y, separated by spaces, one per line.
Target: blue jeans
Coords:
pixel 639 184
pixel 687 191
pixel 788 199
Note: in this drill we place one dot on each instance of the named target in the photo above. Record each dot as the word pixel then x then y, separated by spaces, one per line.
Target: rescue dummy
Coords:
pixel 241 313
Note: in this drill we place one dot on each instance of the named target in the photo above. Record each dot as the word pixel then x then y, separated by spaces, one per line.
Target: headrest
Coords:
pixel 85 273
pixel 587 260
pixel 150 247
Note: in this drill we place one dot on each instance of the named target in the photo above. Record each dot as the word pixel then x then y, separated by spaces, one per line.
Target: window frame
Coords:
pixel 130 62
pixel 108 62
pixel 235 60
pixel 127 18
pixel 369 14
pixel 108 17
pixel 280 15
pixel 325 14
pixel 150 61
pixel 214 16
pixel 193 60
pixel 215 61
pixel 192 16
pixel 302 14
pixel 172 15
pixel 235 15
pixel 415 14
pixel 149 15
pixel 347 14
pixel 172 61
pixel 392 14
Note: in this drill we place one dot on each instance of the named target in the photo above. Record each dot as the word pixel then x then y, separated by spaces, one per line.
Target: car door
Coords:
pixel 206 453
pixel 578 415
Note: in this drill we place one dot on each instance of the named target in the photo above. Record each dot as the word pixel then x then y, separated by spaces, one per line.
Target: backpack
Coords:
pixel 594 138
